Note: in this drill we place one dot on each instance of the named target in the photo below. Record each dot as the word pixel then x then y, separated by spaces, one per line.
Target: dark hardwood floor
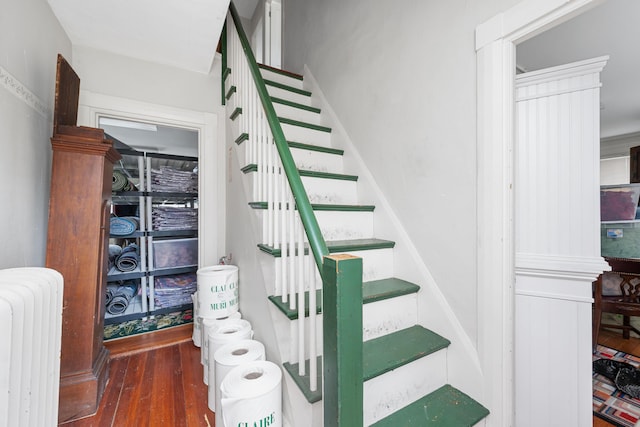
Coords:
pixel 156 380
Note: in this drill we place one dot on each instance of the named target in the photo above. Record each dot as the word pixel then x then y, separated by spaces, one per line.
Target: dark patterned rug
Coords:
pixel 141 326
pixel 609 403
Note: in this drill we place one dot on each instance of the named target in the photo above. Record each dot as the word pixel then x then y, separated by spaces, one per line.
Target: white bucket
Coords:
pixel 217 291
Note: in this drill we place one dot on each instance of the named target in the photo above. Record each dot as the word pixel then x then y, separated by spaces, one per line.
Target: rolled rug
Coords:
pixel 129 259
pixel 121 182
pixel 114 251
pixel 122 297
pixel 111 290
pixel 123 226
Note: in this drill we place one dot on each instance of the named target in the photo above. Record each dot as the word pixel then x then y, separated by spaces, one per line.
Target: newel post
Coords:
pixel 342 317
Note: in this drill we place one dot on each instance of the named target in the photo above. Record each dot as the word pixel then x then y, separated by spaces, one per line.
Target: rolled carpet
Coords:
pixel 111 290
pixel 121 182
pixel 129 259
pixel 122 297
pixel 123 226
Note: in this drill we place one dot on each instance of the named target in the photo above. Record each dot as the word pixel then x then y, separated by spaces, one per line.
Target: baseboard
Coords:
pixel 133 344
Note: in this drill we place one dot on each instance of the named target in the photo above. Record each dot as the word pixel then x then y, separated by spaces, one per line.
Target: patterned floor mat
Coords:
pixel 609 403
pixel 141 326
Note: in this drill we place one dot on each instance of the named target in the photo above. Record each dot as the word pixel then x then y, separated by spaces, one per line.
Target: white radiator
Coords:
pixel 30 336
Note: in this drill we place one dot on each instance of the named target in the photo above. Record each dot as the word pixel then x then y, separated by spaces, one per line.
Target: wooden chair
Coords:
pixel 627 303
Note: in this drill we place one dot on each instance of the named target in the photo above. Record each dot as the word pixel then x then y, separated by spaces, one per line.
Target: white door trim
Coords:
pixel 210 153
pixel 495 45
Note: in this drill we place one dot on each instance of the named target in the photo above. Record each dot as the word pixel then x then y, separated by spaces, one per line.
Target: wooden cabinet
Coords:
pixel 77 240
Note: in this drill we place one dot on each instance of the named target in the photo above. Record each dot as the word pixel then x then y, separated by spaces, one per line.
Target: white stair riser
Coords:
pixel 390 315
pixel 296 97
pixel 306 135
pixel 281 78
pixel 376 264
pixel 331 191
pixel 308 414
pixel 300 114
pixel 337 225
pixel 317 160
pixel 378 318
pixel 393 390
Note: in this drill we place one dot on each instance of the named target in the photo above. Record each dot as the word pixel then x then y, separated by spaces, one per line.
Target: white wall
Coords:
pixel 116 75
pixel 401 76
pixel 30 39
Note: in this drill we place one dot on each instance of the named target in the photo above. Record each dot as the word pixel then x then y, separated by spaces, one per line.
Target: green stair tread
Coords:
pixel 445 407
pixel 252 167
pixel 287 87
pixel 281 71
pixel 285 121
pixel 327 175
pixel 302 381
pixel 324 207
pixel 372 291
pixel 407 345
pixel 295 105
pixel 336 246
pixel 319 148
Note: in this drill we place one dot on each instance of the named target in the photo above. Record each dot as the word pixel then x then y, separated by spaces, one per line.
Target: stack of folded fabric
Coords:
pixel 174 218
pixel 119 295
pixel 172 291
pixel 170 179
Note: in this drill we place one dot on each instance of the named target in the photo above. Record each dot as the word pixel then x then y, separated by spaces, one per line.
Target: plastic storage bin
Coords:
pixel 620 239
pixel 619 202
pixel 175 253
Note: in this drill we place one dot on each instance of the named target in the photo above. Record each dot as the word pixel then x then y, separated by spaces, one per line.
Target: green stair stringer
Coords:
pixel 445 407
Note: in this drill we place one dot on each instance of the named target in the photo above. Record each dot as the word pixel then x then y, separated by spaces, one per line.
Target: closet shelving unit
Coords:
pixel 163 252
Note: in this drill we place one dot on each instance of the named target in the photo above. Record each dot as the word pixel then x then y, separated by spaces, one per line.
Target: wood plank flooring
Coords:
pixel 156 380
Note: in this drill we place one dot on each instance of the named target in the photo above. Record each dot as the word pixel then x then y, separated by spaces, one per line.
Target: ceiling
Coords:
pixel 184 34
pixel 610 29
pixel 179 33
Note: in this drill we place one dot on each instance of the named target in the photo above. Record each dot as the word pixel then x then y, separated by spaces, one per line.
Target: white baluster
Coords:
pixel 301 302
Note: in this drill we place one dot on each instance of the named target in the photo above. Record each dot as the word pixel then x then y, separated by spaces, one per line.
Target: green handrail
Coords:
pixel 309 221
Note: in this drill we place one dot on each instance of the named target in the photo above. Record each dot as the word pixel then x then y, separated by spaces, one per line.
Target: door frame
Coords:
pixel 211 167
pixel 496 41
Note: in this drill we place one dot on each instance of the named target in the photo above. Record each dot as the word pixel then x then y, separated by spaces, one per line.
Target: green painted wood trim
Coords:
pixel 328 175
pixel 376 290
pixel 230 92
pixel 335 246
pixel 243 137
pixel 225 70
pixel 342 341
pixel 317 148
pixel 309 221
pixel 236 113
pixel 285 121
pixel 295 105
pixel 408 345
pixel 303 381
pixel 324 207
pixel 444 407
pixel 287 87
pixel 283 72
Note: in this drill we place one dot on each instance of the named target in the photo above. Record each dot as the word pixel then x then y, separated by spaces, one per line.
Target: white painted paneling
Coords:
pixel 557 237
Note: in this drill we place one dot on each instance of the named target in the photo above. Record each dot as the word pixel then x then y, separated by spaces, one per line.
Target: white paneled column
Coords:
pixel 557 229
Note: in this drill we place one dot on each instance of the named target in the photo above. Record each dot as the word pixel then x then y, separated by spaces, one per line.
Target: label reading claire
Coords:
pixel 267 421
